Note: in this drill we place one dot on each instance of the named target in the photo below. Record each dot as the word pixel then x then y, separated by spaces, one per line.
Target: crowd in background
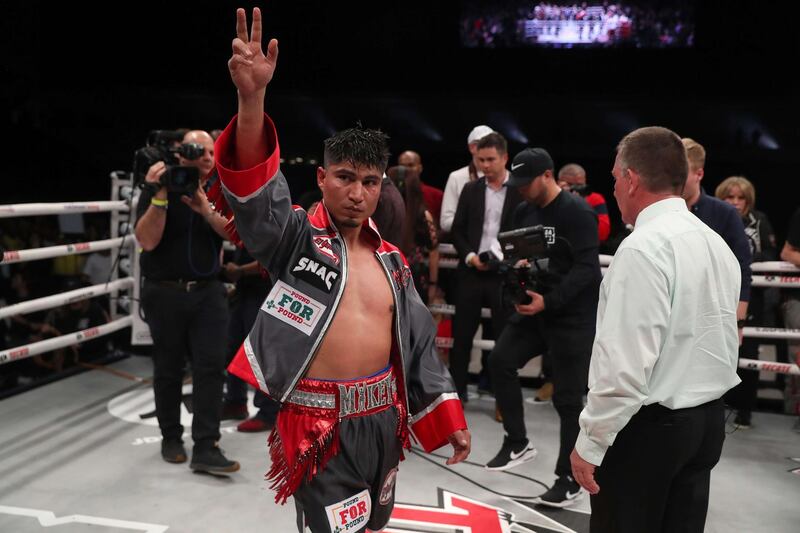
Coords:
pixel 29 280
pixel 603 23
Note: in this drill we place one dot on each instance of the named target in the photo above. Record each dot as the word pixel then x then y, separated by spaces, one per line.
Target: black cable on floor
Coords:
pixel 420 453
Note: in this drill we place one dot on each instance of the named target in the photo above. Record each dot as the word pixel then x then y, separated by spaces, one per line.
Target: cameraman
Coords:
pixel 185 306
pixel 559 320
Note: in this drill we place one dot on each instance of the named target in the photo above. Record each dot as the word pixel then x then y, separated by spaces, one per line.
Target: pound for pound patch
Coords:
pixel 351 514
pixel 289 305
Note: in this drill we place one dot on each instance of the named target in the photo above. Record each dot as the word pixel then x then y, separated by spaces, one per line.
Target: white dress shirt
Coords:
pixel 452 190
pixel 492 216
pixel 666 324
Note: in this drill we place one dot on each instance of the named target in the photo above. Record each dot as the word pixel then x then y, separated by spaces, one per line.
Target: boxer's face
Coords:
pixel 350 192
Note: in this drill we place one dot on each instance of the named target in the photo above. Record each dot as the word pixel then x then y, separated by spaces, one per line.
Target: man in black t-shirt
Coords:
pixel 559 319
pixel 185 307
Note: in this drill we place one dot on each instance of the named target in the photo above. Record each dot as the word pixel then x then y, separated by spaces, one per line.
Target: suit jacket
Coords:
pixel 468 222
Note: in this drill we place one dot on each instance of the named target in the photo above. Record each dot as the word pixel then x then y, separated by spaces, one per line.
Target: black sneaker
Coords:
pixel 172 451
pixel 742 420
pixel 565 491
pixel 212 461
pixel 511 455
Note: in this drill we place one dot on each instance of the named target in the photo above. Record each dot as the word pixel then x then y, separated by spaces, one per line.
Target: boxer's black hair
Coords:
pixel 358 146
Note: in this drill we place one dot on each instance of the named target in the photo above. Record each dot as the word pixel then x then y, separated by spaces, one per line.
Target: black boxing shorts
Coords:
pixel 335 448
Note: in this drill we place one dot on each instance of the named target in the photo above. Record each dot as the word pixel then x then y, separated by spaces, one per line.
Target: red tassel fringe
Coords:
pixel 313 455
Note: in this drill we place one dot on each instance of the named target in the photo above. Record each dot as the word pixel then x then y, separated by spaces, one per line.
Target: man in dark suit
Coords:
pixel 484 209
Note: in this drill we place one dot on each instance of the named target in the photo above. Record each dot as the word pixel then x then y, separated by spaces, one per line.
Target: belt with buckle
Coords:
pixel 183 285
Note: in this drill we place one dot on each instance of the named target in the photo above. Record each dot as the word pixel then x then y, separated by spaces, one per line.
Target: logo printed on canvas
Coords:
pixel 291 306
pixel 318 274
pixel 350 514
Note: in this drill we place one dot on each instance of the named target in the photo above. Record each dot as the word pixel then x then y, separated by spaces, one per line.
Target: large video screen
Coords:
pixel 628 24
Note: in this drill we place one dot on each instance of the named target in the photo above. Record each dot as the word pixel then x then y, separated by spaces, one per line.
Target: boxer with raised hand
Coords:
pixel 343 340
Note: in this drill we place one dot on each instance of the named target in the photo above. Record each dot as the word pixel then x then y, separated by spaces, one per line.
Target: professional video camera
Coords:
pixel 165 145
pixel 530 262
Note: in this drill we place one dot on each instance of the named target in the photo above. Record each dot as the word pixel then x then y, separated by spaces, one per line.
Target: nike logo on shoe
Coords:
pixel 515 456
pixel 571 495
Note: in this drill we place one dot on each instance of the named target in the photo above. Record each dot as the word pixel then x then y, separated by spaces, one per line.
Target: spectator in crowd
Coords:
pixel 484 209
pixel 721 217
pixel 420 241
pixel 76 316
pixel 740 193
pixel 186 308
pixel 97 268
pixel 572 177
pixel 791 305
pixel 558 318
pixel 458 178
pixel 430 195
pixel 252 287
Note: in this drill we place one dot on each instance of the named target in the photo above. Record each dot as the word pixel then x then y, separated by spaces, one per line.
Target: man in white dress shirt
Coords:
pixel 458 178
pixel 664 352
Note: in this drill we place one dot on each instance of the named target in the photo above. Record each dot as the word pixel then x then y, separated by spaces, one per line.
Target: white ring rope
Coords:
pixel 64 298
pixel 768 366
pixel 774 266
pixel 29 350
pixel 49 252
pixel 26 210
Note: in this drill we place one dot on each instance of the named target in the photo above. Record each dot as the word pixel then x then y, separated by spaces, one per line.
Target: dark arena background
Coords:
pixel 82 85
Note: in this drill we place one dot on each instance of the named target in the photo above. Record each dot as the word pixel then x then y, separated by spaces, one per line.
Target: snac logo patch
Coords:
pixel 291 306
pixel 316 273
pixel 351 514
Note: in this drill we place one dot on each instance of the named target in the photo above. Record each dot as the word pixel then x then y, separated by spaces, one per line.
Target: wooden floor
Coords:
pixel 76 457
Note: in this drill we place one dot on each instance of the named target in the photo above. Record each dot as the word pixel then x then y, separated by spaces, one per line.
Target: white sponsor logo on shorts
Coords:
pixel 351 514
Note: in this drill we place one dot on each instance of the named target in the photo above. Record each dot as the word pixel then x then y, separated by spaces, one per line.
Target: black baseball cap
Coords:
pixel 528 164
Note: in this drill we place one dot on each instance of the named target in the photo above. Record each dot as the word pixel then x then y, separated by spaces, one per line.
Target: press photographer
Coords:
pixel 167 146
pixel 558 321
pixel 185 304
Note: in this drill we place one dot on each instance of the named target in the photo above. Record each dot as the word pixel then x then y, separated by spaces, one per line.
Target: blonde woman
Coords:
pixel 740 193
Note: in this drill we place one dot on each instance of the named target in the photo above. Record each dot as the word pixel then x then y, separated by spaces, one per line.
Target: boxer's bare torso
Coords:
pixel 359 339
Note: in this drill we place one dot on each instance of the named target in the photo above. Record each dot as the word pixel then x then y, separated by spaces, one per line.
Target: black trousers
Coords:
pixel 569 351
pixel 188 326
pixel 475 290
pixel 655 478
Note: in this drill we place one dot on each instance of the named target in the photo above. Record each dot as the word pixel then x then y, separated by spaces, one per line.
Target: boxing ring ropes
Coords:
pixel 123 199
